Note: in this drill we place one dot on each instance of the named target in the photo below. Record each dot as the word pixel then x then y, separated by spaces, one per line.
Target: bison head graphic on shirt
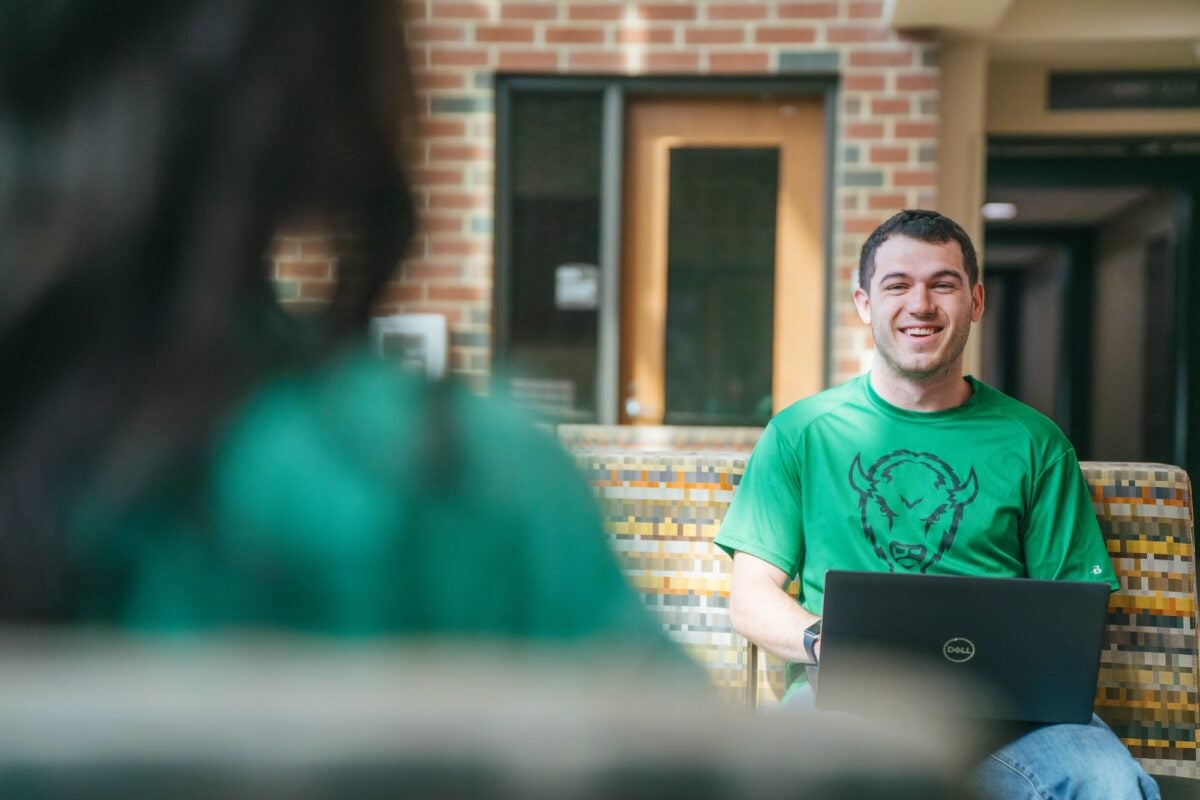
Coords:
pixel 911 505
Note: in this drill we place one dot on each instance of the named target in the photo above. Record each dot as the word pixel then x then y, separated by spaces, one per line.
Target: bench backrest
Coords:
pixel 662 510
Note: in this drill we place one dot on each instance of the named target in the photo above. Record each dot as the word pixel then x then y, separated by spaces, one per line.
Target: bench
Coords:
pixel 662 509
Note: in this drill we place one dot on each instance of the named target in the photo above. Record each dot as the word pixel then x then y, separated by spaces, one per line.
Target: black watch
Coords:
pixel 812 635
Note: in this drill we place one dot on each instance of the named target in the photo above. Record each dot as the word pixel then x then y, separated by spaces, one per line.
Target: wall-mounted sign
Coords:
pixel 577 287
pixel 414 341
pixel 1112 90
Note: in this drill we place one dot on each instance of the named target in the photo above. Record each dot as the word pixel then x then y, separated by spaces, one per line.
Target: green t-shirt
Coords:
pixel 357 501
pixel 845 480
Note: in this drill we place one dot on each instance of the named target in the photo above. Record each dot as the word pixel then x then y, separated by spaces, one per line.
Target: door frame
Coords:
pixel 616 91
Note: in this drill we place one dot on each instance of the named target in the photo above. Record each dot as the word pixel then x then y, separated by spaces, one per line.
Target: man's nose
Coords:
pixel 920 301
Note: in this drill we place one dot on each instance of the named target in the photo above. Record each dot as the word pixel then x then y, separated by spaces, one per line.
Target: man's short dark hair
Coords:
pixel 916 223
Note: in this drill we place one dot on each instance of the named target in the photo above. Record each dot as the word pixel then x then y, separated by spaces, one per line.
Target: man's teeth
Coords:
pixel 920 331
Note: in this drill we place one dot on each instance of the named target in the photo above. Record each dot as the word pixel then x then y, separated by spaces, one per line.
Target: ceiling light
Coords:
pixel 999 211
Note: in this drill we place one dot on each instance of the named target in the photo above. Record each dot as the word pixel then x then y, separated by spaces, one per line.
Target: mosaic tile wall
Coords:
pixel 663 510
pixel 1148 673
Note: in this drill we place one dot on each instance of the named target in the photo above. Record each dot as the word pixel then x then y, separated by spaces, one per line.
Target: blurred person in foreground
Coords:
pixel 177 454
pixel 989 486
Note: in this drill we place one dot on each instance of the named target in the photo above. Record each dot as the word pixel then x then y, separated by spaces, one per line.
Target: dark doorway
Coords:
pixel 1091 281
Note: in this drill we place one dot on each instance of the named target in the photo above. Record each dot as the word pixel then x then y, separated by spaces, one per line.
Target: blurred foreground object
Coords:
pixel 82 715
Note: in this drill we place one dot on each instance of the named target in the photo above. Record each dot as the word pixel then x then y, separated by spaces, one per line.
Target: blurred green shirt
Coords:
pixel 360 501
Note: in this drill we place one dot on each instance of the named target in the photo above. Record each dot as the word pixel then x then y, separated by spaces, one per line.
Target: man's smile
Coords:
pixel 921 332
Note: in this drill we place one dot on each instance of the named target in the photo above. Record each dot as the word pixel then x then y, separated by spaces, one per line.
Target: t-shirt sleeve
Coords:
pixel 1061 538
pixel 765 518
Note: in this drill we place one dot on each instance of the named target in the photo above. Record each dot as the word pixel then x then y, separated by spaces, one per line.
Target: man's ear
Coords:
pixel 862 302
pixel 977 297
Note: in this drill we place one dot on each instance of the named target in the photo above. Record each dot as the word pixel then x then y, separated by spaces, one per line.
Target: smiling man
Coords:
pixel 916 467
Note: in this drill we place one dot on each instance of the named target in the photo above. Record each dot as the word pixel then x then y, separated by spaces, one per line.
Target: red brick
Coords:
pixel 864 130
pixel 457 246
pixel 676 11
pixel 456 57
pixel 651 35
pixel 915 130
pixel 673 62
pixel 845 34
pixel 465 293
pixel 916 83
pixel 596 60
pixel 476 11
pixel 886 202
pixel 436 33
pixel 442 199
pixel 889 155
pixel 458 152
pixel 528 11
pixel 881 58
pixel 303 270
pixel 791 35
pixel 595 11
pixel 714 36
pixel 532 60
pixel 860 224
pixel 432 223
pixel 574 34
pixel 500 34
pixel 865 82
pixel 890 105
pixel 439 79
pixel 432 128
pixel 914 177
pixel 419 271
pixel 738 11
pixel 866 10
pixel 808 11
pixel 738 62
pixel 427 176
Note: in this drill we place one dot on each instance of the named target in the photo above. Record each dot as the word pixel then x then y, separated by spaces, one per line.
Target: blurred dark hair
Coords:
pixel 927 226
pixel 149 151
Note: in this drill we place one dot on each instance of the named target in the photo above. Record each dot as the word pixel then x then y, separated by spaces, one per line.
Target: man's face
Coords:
pixel 920 307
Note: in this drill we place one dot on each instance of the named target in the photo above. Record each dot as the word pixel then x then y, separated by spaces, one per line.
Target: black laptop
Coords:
pixel 1032 647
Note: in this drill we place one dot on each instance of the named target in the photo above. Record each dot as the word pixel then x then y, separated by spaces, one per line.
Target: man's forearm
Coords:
pixel 764 613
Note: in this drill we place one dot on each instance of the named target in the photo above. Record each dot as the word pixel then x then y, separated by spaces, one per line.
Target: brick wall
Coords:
pixel 886 156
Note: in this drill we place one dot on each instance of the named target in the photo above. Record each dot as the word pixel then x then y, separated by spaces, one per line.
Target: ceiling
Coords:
pixel 1065 205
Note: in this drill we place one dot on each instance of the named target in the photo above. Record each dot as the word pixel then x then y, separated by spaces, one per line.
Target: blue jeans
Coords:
pixel 1049 762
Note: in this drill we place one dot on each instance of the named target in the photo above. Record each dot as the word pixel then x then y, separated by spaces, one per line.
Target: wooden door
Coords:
pixel 765 197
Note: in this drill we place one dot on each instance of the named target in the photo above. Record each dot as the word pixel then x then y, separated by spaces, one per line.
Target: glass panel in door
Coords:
pixel 720 285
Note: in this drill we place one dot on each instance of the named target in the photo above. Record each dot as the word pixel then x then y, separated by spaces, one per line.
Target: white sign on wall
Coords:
pixel 415 341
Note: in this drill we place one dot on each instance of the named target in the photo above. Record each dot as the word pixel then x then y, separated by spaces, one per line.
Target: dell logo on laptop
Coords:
pixel 959 649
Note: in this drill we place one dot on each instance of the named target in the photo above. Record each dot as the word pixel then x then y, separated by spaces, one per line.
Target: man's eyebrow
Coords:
pixel 939 275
